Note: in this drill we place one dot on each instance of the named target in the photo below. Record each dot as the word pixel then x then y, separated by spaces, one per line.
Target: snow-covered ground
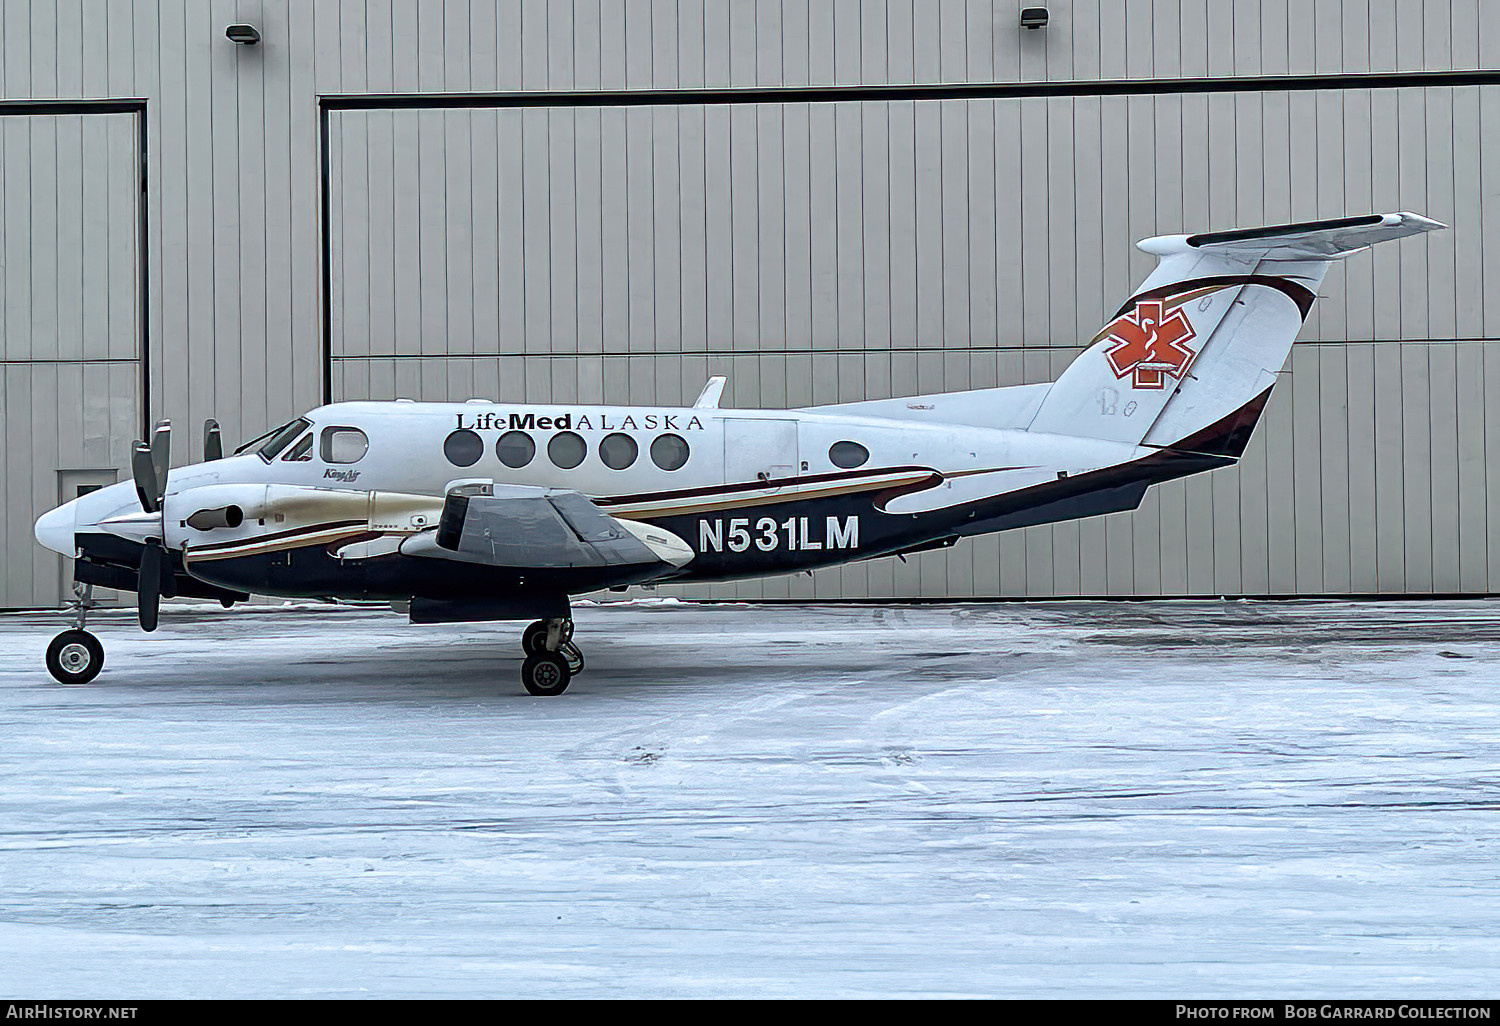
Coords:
pixel 1071 799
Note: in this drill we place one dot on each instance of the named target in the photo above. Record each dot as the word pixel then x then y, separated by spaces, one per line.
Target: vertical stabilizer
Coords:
pixel 1191 357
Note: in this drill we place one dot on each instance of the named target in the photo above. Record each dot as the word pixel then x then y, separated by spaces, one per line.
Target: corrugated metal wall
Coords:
pixel 69 358
pixel 822 252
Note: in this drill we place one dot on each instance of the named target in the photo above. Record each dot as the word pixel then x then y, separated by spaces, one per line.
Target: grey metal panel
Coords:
pixel 1471 419
pixel 1281 525
pixel 1327 34
pixel 1416 440
pixel 1252 476
pixel 902 176
pixel 1360 413
pixel 1390 563
pixel 1307 471
pixel 1333 444
pixel 1445 489
pixel 1409 42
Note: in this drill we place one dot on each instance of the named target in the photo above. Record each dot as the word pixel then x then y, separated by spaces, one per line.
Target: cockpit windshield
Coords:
pixel 266 446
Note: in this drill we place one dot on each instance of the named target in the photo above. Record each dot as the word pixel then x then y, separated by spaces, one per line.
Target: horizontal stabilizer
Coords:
pixel 1308 240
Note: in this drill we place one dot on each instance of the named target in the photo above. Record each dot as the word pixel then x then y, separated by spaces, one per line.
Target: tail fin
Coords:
pixel 1189 360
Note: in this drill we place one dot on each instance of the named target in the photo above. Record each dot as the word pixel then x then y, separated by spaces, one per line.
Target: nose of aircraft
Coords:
pixel 55 528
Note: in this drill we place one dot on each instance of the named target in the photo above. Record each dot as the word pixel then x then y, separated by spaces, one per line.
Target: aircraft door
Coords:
pixel 759 449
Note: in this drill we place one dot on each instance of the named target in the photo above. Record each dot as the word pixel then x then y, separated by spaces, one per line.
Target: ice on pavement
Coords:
pixel 1040 800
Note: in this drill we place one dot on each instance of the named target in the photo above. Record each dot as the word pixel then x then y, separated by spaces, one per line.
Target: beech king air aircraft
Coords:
pixel 480 511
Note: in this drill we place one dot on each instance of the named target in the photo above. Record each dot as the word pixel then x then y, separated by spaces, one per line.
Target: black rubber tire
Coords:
pixel 545 674
pixel 75 657
pixel 534 637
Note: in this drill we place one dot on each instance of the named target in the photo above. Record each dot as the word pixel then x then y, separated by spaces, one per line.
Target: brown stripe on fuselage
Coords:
pixel 605 501
pixel 279 541
pixel 736 497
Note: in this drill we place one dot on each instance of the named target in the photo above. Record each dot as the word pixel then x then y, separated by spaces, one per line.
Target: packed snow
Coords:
pixel 1165 799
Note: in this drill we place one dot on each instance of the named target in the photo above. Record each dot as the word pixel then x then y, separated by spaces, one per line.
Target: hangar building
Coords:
pixel 611 200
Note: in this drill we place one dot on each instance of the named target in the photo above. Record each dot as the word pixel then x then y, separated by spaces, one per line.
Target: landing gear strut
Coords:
pixel 552 660
pixel 75 656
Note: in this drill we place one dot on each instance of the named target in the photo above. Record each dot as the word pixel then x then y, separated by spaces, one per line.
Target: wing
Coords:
pixel 544 529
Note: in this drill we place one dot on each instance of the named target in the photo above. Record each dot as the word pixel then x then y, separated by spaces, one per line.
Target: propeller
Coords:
pixel 148 587
pixel 213 441
pixel 150 465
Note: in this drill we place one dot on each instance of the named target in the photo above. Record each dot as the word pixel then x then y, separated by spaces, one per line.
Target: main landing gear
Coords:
pixel 75 656
pixel 552 660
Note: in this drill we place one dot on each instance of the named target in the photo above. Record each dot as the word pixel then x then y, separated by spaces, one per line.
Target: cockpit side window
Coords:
pixel 301 452
pixel 344 445
pixel 272 442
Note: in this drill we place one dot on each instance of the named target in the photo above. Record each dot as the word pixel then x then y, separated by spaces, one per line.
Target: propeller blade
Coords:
pixel 213 441
pixel 161 457
pixel 143 469
pixel 148 585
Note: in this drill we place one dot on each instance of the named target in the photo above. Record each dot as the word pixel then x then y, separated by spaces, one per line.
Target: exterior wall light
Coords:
pixel 245 35
pixel 1033 17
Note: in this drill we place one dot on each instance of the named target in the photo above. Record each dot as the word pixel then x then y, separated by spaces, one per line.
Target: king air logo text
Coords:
pixel 1150 344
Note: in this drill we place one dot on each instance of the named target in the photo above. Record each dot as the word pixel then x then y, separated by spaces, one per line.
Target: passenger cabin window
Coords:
pixel 567 449
pixel 848 455
pixel 515 449
pixel 618 451
pixel 463 448
pixel 301 452
pixel 669 452
pixel 344 445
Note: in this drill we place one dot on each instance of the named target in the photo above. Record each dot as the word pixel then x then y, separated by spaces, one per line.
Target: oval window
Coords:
pixel 618 451
pixel 669 452
pixel 515 449
pixel 344 445
pixel 463 448
pixel 848 455
pixel 567 450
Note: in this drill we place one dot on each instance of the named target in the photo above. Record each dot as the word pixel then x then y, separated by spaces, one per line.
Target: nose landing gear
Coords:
pixel 75 656
pixel 552 660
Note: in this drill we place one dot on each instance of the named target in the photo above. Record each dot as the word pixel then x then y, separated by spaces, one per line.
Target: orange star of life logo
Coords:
pixel 1150 344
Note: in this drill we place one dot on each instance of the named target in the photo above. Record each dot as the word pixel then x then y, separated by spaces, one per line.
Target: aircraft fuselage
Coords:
pixel 757 492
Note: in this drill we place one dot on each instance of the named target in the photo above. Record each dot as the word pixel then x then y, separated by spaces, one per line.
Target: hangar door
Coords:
pixel 69 307
pixel 835 251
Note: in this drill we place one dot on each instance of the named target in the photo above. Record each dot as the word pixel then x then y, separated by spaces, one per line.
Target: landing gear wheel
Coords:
pixel 75 657
pixel 545 674
pixel 534 638
pixel 573 656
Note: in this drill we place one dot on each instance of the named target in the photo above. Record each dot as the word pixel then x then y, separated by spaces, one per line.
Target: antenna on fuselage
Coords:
pixel 708 399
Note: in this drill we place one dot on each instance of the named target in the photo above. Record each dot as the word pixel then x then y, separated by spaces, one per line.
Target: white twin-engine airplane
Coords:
pixel 479 511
